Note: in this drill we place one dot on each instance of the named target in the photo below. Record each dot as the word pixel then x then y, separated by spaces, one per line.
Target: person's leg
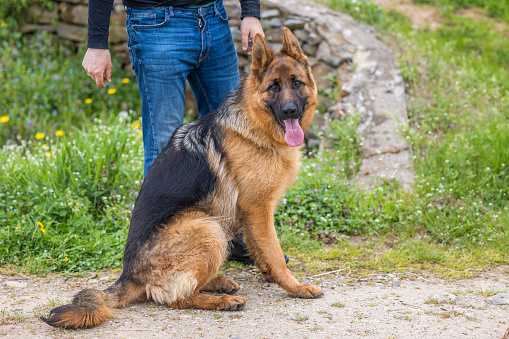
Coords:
pixel 164 48
pixel 217 73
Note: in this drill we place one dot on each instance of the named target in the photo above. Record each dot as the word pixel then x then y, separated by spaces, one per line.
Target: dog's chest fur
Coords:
pixel 249 176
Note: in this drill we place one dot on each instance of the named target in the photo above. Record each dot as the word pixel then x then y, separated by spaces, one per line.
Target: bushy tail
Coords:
pixel 90 308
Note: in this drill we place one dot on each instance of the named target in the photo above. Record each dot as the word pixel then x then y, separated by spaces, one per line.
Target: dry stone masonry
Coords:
pixel 341 52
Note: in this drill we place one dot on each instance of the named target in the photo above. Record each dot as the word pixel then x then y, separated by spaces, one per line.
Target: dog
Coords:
pixel 225 171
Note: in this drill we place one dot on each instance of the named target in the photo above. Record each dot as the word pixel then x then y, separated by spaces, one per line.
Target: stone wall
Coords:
pixel 334 44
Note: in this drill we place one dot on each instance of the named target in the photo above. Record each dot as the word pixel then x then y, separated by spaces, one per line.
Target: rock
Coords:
pixel 274 35
pixel 29 28
pixel 324 53
pixel 233 9
pixel 237 35
pixel 71 32
pixel 294 23
pixel 74 14
pixel 275 22
pixel 38 14
pixel 499 299
pixel 270 13
pixel 15 284
pixel 118 32
pixel 302 35
pixel 309 49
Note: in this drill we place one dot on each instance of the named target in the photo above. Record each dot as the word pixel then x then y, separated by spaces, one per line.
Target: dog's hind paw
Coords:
pixel 221 284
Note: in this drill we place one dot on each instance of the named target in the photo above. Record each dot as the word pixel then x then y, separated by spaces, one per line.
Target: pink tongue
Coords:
pixel 294 135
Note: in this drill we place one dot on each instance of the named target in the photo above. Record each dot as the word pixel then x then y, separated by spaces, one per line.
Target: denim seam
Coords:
pixel 140 70
pixel 203 90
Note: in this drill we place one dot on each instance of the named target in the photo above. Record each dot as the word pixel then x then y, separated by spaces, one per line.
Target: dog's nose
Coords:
pixel 289 109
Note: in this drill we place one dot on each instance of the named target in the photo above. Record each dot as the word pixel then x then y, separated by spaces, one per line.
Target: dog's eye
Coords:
pixel 297 83
pixel 274 87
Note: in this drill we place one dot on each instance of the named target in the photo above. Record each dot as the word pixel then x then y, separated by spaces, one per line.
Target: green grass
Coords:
pixel 67 207
pixel 66 200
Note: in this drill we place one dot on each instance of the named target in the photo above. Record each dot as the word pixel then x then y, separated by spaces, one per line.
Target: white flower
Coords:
pixel 122 116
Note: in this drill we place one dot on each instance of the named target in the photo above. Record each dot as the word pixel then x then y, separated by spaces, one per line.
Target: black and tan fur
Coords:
pixel 220 173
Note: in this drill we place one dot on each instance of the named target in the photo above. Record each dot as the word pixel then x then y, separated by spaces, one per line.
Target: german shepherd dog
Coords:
pixel 220 173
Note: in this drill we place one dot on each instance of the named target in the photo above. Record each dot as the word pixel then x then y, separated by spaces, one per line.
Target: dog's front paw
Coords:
pixel 307 292
pixel 231 303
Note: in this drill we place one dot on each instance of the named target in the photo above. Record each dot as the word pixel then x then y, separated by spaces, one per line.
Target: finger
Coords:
pixel 99 80
pixel 245 40
pixel 107 74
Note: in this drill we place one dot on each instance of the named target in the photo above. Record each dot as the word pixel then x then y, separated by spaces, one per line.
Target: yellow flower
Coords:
pixel 65 259
pixel 141 132
pixel 17 227
pixel 40 136
pixel 4 119
pixel 88 101
pixel 59 133
pixel 40 224
pixel 3 24
pixel 125 81
pixel 136 125
pixel 48 154
pixel 112 91
pixel 43 230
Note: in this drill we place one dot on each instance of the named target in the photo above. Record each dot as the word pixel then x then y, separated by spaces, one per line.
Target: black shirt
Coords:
pixel 99 12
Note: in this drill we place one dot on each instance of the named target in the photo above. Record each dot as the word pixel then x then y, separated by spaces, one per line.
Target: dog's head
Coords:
pixel 286 94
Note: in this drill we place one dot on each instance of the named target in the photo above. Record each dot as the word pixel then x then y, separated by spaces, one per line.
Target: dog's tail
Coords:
pixel 90 308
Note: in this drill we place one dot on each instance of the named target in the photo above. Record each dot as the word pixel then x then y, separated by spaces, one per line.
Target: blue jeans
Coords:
pixel 168 45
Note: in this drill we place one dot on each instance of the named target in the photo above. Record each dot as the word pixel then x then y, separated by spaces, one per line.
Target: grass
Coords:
pixel 9 317
pixel 66 197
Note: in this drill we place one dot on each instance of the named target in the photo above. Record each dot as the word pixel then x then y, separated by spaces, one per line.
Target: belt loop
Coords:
pixel 216 7
pixel 169 11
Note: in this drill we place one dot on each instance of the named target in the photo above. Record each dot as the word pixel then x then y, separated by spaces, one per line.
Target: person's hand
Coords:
pixel 248 29
pixel 97 63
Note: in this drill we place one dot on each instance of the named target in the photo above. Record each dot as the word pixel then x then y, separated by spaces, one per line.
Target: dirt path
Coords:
pixel 423 16
pixel 382 306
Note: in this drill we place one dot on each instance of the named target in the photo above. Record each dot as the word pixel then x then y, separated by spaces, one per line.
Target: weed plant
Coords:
pixel 67 205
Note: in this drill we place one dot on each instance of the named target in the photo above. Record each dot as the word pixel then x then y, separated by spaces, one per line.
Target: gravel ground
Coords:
pixel 380 306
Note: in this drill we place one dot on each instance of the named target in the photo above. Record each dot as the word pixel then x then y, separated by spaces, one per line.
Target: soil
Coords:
pixel 420 16
pixel 379 306
pixel 423 16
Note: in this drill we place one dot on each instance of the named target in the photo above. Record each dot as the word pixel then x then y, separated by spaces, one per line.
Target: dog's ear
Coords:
pixel 291 46
pixel 262 55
